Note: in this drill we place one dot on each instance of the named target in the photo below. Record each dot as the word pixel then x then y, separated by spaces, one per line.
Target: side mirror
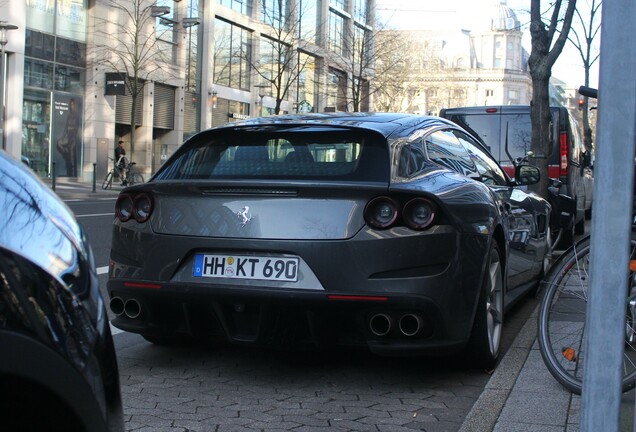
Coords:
pixel 527 174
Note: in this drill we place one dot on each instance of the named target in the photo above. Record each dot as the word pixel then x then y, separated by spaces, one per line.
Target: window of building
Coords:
pixel 273 64
pixel 273 12
pixel 165 31
pixel 38 74
pixel 308 17
pixel 360 11
pixel 340 4
pixel 497 63
pixel 337 90
pixel 361 48
pixel 490 93
pixel 231 55
pixel 242 6
pixel 307 94
pixel 336 32
pixel 193 58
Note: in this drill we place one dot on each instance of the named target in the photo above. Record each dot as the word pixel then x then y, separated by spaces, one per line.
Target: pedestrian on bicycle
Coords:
pixel 120 161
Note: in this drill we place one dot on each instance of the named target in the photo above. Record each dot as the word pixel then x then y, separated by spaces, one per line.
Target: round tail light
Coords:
pixel 418 213
pixel 381 212
pixel 124 207
pixel 142 207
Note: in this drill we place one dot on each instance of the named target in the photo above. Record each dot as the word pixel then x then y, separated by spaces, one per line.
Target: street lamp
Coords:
pixel 4 26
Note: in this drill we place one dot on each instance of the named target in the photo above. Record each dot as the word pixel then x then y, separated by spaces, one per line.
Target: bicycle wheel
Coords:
pixel 108 180
pixel 562 315
pixel 135 178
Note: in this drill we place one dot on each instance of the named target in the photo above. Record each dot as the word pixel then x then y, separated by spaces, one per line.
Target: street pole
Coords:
pixel 4 26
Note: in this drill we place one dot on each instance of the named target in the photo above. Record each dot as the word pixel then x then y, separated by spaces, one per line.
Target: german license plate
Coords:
pixel 246 267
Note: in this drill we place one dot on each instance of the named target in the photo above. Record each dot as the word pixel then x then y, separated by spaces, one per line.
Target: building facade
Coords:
pixel 79 73
pixel 483 65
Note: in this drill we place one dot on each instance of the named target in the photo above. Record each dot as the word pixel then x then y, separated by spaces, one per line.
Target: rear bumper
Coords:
pixel 428 282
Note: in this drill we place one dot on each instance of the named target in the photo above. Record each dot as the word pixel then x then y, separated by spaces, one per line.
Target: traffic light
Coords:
pixel 581 103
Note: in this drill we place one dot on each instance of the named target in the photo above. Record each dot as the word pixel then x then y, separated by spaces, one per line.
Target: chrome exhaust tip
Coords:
pixel 116 306
pixel 380 324
pixel 410 324
pixel 132 308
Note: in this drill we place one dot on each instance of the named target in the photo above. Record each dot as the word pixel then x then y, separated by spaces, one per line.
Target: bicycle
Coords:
pixel 562 315
pixel 563 311
pixel 130 177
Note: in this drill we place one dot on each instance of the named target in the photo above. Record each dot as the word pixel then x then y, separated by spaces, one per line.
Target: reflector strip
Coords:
pixel 141 285
pixel 356 298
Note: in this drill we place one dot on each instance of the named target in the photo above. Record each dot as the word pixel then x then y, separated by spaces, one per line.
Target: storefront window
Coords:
pixel 69 79
pixel 36 126
pixel 307 100
pixel 38 74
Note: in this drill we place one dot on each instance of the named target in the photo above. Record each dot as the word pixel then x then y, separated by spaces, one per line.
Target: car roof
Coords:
pixel 387 124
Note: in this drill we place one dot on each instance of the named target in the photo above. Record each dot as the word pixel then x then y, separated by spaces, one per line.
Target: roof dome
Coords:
pixel 502 17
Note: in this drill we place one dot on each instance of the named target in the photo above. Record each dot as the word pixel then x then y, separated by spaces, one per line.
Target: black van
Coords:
pixel 567 159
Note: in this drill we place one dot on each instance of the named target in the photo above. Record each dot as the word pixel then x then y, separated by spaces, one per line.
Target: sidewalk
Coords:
pixel 68 189
pixel 522 396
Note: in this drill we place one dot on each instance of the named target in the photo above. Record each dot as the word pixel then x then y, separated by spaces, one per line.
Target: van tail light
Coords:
pixel 563 165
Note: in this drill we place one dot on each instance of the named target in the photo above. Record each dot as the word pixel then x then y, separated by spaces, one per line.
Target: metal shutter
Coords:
pixel 123 107
pixel 163 107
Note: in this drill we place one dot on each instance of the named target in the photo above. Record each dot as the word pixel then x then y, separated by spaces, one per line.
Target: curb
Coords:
pixel 485 412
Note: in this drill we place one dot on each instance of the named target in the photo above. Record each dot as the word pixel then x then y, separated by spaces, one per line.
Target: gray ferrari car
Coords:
pixel 394 232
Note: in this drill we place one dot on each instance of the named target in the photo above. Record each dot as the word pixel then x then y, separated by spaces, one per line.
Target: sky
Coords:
pixel 464 14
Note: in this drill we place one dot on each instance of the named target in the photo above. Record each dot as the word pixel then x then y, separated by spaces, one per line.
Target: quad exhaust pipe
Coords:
pixel 130 308
pixel 409 324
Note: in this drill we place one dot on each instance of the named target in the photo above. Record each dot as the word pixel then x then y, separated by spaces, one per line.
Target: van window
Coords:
pixel 492 129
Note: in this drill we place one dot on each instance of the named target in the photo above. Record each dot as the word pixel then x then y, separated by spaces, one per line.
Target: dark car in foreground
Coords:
pixel 394 232
pixel 58 369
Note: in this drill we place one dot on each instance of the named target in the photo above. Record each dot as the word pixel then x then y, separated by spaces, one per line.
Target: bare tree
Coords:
pixel 132 46
pixel 279 64
pixel 582 36
pixel 544 53
pixel 374 55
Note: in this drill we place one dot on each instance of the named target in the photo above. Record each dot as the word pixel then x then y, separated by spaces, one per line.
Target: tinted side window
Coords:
pixel 490 172
pixel 411 160
pixel 444 148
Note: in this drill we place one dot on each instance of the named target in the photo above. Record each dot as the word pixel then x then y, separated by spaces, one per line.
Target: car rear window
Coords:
pixel 301 153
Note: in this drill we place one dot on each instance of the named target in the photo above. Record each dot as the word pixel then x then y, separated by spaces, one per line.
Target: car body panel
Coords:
pixel 347 270
pixel 51 311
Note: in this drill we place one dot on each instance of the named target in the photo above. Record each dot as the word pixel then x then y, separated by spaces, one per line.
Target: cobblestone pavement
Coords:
pixel 230 388
pixel 248 389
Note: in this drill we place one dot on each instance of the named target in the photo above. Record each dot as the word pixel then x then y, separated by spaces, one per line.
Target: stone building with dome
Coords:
pixel 482 65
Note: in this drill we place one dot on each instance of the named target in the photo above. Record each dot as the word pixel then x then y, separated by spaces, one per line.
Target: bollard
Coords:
pixel 94 174
pixel 53 176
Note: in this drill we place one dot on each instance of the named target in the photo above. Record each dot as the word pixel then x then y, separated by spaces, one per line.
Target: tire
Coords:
pixel 135 178
pixel 562 315
pixel 485 341
pixel 108 181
